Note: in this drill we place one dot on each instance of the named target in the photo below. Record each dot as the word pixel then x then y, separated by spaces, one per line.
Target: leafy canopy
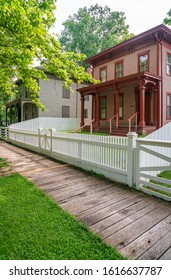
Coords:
pixel 167 20
pixel 94 29
pixel 24 37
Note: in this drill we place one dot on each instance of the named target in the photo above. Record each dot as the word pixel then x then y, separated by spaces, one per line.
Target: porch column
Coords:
pixel 97 111
pixel 156 109
pixel 10 114
pixel 22 112
pixel 15 109
pixel 157 105
pixel 7 116
pixel 93 107
pixel 142 106
pixel 117 103
pixel 82 110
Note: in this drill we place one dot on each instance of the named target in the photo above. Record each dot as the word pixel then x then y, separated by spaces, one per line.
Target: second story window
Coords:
pixel 65 93
pixel 169 64
pixel 103 74
pixel 119 69
pixel 143 62
pixel 168 106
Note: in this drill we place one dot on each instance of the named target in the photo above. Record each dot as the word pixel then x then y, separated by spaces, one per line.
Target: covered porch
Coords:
pixel 130 103
pixel 19 110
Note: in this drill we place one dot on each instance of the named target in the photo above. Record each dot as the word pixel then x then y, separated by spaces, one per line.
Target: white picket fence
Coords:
pixel 129 160
pixel 110 156
pixel 60 124
pixel 164 133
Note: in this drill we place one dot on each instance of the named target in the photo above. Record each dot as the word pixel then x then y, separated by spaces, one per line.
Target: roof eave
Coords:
pixel 129 41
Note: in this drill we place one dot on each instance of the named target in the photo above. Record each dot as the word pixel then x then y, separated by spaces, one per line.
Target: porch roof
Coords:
pixel 19 100
pixel 120 82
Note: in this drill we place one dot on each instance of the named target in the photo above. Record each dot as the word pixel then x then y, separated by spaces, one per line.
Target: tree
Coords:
pixel 25 36
pixel 93 30
pixel 167 20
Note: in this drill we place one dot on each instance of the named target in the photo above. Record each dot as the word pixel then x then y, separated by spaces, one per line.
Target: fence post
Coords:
pixel 39 135
pixel 137 163
pixel 132 136
pixel 51 138
pixel 6 133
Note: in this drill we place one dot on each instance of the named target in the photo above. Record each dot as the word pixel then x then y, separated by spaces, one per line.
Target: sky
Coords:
pixel 140 15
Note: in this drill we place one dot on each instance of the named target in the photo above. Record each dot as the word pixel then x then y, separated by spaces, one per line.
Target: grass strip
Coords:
pixel 34 227
pixel 166 175
pixel 3 163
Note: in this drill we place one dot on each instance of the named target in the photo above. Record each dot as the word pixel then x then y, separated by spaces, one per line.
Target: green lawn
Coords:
pixel 166 175
pixel 88 132
pixel 34 227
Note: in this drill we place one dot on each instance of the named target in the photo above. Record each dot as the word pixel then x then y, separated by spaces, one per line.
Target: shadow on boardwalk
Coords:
pixel 139 226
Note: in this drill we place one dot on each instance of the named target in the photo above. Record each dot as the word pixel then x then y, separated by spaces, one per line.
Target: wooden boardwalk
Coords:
pixel 139 226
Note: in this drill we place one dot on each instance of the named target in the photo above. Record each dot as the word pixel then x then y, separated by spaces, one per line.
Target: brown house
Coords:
pixel 134 92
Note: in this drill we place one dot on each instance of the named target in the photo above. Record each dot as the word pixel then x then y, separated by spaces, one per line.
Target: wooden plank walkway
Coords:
pixel 139 226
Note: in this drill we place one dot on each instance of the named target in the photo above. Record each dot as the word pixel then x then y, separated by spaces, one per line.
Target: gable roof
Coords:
pixel 157 33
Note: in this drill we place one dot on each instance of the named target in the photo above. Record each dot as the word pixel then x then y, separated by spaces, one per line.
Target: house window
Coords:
pixel 119 69
pixel 86 98
pixel 103 74
pixel 65 111
pixel 85 113
pixel 169 64
pixel 65 93
pixel 121 106
pixel 103 108
pixel 143 62
pixel 168 106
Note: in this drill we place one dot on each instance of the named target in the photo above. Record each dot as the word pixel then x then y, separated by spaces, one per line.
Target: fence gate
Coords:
pixel 153 157
pixel 45 139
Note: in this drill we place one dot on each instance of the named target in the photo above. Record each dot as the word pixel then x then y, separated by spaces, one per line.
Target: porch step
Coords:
pixel 122 130
pixel 119 133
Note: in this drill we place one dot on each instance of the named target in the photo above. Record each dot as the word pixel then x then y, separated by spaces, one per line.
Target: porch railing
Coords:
pixel 117 121
pixel 86 124
pixel 136 121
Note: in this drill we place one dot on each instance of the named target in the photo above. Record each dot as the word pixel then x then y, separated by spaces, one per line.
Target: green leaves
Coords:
pixel 24 38
pixel 92 30
pixel 167 20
